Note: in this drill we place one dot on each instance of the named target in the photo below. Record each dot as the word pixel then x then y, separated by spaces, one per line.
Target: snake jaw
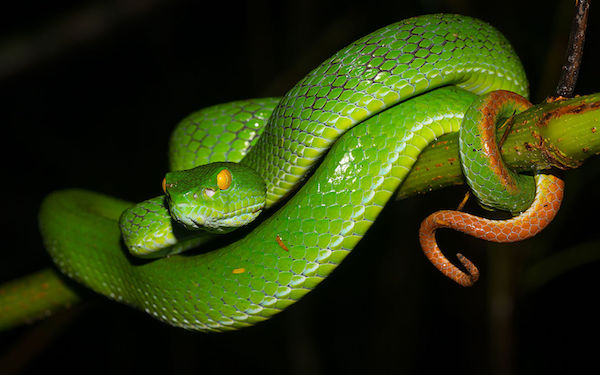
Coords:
pixel 210 224
pixel 200 222
pixel 223 222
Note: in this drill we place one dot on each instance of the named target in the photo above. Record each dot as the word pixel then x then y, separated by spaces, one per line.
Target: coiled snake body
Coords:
pixel 404 85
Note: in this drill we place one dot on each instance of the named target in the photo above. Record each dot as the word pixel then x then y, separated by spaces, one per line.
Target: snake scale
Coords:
pixel 365 114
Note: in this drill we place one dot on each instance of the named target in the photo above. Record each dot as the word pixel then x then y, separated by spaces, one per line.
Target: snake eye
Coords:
pixel 224 179
pixel 166 186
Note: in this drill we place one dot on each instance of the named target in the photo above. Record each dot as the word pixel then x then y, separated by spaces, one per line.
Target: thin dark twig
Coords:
pixel 570 69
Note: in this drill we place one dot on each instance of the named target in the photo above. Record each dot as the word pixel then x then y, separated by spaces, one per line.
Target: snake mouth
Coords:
pixel 197 224
pixel 210 225
pixel 225 221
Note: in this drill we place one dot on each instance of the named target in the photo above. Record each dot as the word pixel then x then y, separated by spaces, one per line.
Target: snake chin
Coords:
pixel 221 223
pixel 208 224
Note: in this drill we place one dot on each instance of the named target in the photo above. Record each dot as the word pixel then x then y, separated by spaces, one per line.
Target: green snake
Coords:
pixel 364 115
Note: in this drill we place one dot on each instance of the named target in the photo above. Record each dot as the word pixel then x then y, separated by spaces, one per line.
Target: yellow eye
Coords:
pixel 224 179
pixel 164 185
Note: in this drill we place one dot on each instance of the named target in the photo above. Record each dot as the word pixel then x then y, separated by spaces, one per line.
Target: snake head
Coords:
pixel 216 197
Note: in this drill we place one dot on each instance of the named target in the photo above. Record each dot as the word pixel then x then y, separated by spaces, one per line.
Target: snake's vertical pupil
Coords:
pixel 164 185
pixel 224 179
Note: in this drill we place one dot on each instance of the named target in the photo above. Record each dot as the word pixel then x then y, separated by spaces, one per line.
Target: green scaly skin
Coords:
pixel 319 226
pixel 256 277
pixel 150 230
pixel 196 200
pixel 371 75
pixel 505 189
pixel 560 133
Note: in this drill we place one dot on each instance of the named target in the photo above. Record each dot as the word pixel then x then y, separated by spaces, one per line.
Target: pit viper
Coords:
pixel 331 153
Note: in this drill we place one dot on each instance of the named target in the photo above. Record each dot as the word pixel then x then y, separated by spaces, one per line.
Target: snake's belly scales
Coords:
pixel 254 278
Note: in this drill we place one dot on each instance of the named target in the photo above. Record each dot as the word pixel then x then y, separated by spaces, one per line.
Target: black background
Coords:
pixel 89 93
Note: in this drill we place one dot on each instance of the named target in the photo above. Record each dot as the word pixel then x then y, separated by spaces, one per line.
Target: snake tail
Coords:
pixel 480 153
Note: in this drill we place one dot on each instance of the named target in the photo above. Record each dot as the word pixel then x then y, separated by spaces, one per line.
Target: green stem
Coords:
pixel 560 134
pixel 34 296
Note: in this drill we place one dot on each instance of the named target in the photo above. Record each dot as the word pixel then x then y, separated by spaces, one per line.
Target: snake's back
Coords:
pixel 292 251
pixel 372 74
pixel 256 277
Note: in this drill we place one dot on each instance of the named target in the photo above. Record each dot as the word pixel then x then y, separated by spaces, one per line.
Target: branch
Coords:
pixel 560 133
pixel 570 69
